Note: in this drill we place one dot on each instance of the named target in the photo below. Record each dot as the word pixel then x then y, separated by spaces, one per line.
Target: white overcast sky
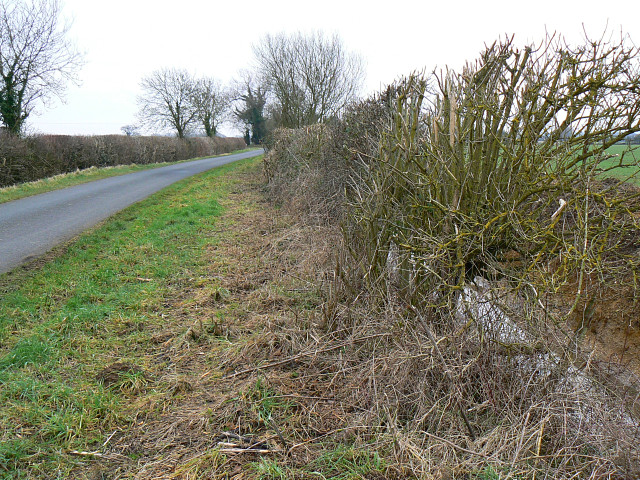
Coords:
pixel 125 40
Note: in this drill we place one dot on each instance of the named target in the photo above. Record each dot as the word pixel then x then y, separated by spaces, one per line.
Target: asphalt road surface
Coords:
pixel 32 226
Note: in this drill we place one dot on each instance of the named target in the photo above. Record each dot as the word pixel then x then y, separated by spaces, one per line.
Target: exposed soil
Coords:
pixel 612 338
pixel 614 328
pixel 607 317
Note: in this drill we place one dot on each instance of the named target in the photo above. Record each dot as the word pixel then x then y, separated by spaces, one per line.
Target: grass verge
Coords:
pixel 123 356
pixel 15 192
pixel 97 305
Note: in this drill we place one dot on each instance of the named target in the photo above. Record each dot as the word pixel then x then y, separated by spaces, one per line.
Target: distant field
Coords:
pixel 631 158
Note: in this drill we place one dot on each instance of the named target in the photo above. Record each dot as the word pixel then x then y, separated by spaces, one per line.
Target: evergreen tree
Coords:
pixel 251 113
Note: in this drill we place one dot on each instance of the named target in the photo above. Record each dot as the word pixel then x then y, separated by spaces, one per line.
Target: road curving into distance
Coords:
pixel 31 226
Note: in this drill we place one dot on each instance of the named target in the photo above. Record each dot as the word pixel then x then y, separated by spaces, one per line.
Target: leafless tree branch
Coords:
pixel 167 101
pixel 311 76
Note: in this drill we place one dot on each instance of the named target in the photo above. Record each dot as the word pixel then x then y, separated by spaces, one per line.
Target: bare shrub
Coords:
pixel 306 171
pixel 309 169
pixel 41 156
pixel 480 233
pixel 362 125
pixel 479 237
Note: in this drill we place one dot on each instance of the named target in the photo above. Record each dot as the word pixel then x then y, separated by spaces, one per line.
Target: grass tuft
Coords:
pixel 28 351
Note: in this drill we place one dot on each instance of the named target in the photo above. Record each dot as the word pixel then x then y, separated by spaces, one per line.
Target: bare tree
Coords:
pixel 211 102
pixel 36 58
pixel 130 130
pixel 167 100
pixel 311 76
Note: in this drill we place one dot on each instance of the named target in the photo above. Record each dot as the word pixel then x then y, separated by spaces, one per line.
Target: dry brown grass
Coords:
pixel 266 276
pixel 273 357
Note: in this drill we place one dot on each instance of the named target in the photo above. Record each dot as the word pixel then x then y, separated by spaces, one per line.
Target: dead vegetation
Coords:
pixel 225 388
pixel 480 249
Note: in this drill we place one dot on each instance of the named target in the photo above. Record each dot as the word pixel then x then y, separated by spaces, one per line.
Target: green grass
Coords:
pixel 339 462
pixel 630 158
pixel 97 303
pixel 57 182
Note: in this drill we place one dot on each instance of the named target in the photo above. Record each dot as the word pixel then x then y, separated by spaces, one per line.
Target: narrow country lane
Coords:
pixel 32 226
